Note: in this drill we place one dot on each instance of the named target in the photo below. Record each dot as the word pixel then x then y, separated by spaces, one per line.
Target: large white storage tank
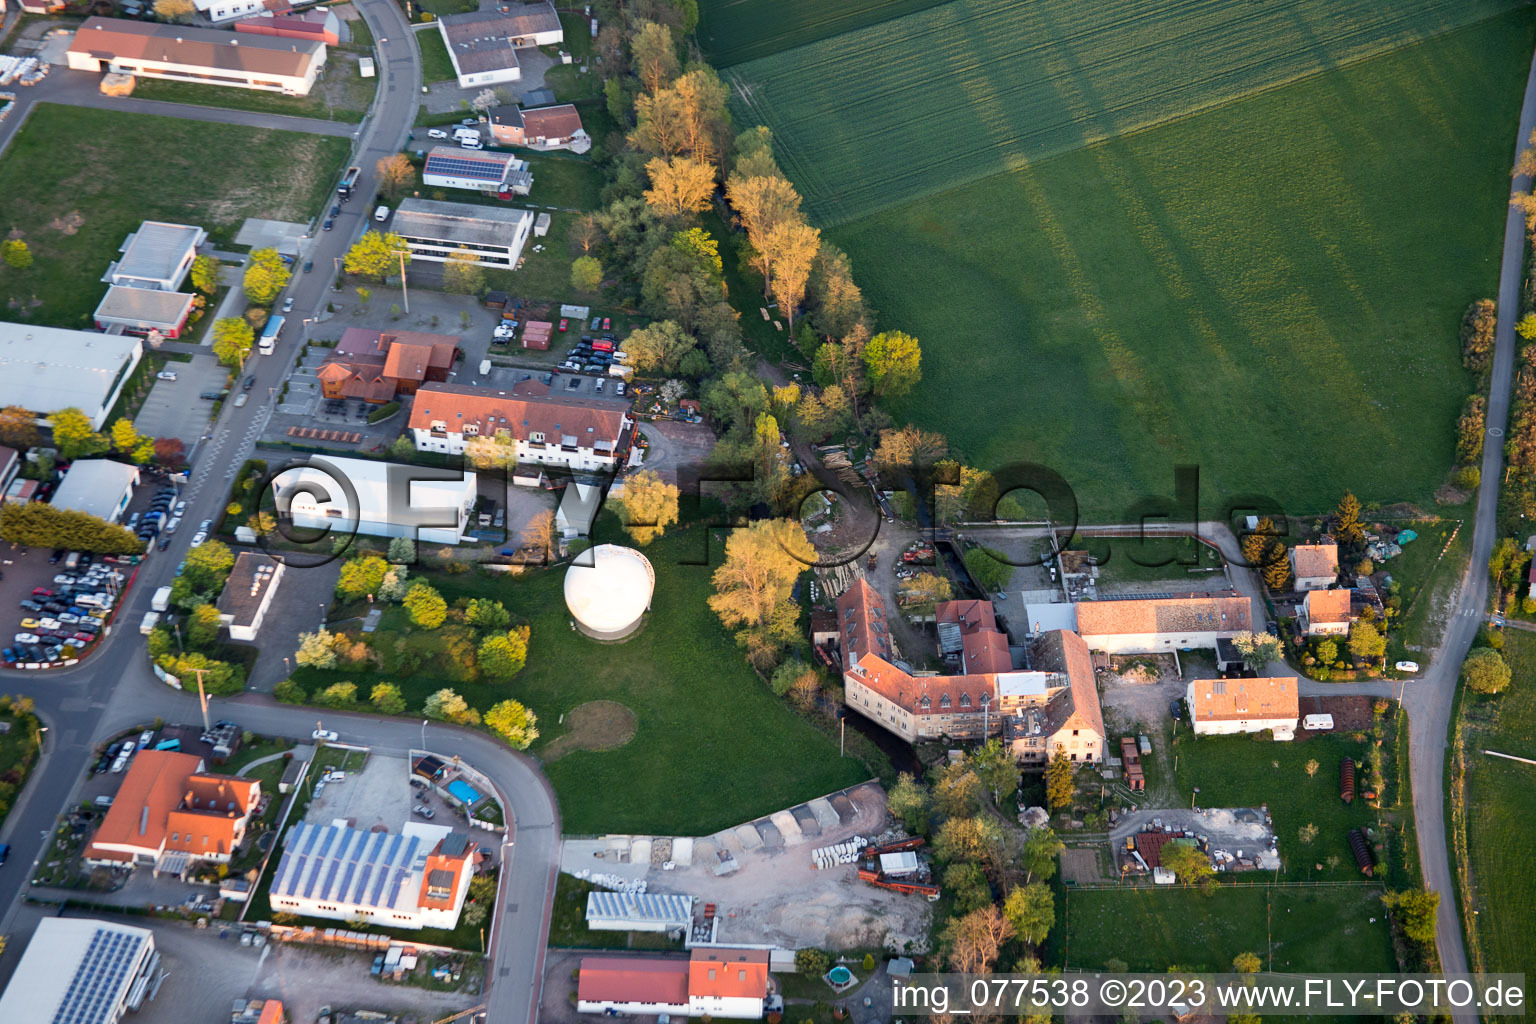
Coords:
pixel 608 591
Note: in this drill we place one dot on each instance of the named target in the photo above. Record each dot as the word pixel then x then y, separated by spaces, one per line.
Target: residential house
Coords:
pixel 187 54
pixel 1315 566
pixel 378 366
pixel 436 232
pixel 585 434
pixel 248 594
pixel 557 127
pixel 644 986
pixel 1151 625
pixel 727 982
pixel 171 814
pixel 1324 612
pixel 1220 707
pixel 475 170
pixel 483 44
pixel 417 879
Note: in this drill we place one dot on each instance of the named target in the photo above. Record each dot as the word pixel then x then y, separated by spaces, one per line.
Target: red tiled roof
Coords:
pixel 559 122
pixel 728 973
pixel 1327 605
pixel 633 980
pixel 443 871
pixel 1187 613
pixel 1313 560
pixel 456 405
pixel 1062 650
pixel 1226 700
pixel 164 794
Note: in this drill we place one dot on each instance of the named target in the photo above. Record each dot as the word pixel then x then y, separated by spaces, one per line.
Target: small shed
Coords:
pixel 496 300
pixel 541 225
pixel 897 865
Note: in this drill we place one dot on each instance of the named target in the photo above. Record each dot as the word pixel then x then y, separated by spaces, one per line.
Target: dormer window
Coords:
pixel 965 700
pixel 986 699
pixel 944 701
pixel 925 703
pixel 537 437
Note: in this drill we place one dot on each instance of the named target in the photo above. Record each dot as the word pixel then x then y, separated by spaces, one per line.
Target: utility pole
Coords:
pixel 842 735
pixel 202 698
pixel 404 292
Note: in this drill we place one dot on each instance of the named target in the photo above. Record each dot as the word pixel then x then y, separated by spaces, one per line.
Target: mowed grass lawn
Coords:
pixel 1501 814
pixel 1270 290
pixel 436 65
pixel 1239 771
pixel 1327 928
pixel 75 204
pixel 713 746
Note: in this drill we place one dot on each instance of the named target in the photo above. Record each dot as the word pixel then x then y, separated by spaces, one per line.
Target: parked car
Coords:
pixel 436 133
pixel 26 638
pixel 607 324
pixel 309 265
pixel 166 375
pixel 424 810
pixel 288 304
pixel 181 507
pixel 564 324
pixel 1402 666
pixel 1176 709
pixel 330 222
pixel 58 553
pixel 199 537
pixel 323 736
pixel 41 592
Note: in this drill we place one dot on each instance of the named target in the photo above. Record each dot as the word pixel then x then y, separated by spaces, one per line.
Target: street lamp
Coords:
pixel 322 613
pixel 405 294
pixel 423 735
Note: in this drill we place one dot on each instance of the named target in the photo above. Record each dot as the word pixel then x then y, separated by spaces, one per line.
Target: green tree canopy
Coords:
pixel 266 275
pixel 73 434
pixel 893 363
pixel 513 723
pixel 1031 909
pixel 205 274
pixel 387 699
pixel 1059 783
pixel 233 337
pixel 503 655
pixel 586 274
pixel 360 577
pixel 208 564
pixel 425 605
pixel 1485 670
pixel 38 524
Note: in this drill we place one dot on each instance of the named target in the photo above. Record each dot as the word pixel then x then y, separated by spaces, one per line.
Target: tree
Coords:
pixel 1311 767
pixel 647 506
pixel 513 723
pixel 316 650
pixel 653 55
pixel 893 363
pixel 661 124
pixel 1258 649
pixel 375 255
pixel 790 247
pixel 975 939
pixel 425 605
pixel 73 436
pixel 203 626
pixel 402 447
pixel 956 789
pixel 503 655
pixel 484 613
pixel 1414 911
pixel 908 451
pixel 996 770
pixel 659 347
pixel 812 962
pixel 923 592
pixel 396 174
pixel 988 569
pixel 978 838
pixel 170 452
pixel 18 428
pixel 474 914
pixel 463 274
pixel 395 584
pixel 1347 520
pixel 1507 563
pixel 762 562
pixel 266 275
pixel 338 695
pixel 1485 671
pixel 1039 852
pixel 38 524
pixel 401 551
pixel 125 438
pixel 174 10
pixel 445 706
pixel 205 274
pixel 586 274
pixel 702 98
pixel 908 803
pixel 540 534
pixel 387 699
pixel 1478 325
pixel 1059 783
pixel 360 577
pixel 1247 963
pixel 679 185
pixel 1366 643
pixel 232 340
pixel 1186 862
pixel 1328 652
pixel 1031 910
pixel 16 253
pixel 494 451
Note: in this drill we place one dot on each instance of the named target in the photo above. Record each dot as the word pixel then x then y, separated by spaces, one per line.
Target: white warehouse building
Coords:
pixel 638 911
pixel 434 231
pixel 187 54
pixel 378 499
pixel 45 369
pixel 81 970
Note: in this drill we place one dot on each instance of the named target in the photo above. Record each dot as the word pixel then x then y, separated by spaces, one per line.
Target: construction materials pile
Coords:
pixel 615 882
pixel 841 854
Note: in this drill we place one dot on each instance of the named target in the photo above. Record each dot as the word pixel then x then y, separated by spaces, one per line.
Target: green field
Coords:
pixel 1501 815
pixel 732 31
pixel 75 204
pixel 1273 300
pixel 713 746
pixel 343 95
pixel 923 103
pixel 436 65
pixel 1328 928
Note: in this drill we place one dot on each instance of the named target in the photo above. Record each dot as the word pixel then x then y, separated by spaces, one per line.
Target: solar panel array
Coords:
pixel 346 865
pixel 95 989
pixel 635 906
pixel 456 165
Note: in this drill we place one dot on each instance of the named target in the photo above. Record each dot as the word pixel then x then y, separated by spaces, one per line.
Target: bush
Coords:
pixel 1468 478
pixel 812 962
pixel 290 692
pixel 337 695
pixel 383 412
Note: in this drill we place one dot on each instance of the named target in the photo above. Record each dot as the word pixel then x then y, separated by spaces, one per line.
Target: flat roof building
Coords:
pixel 45 369
pixel 158 256
pixel 81 971
pixel 142 310
pixel 475 170
pixel 434 231
pixel 187 54
pixel 100 487
pixel 638 912
pixel 248 593
pixel 378 499
pixel 483 45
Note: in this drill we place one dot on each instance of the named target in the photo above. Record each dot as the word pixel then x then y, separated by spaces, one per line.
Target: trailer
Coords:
pixel 900 846
pixel 875 878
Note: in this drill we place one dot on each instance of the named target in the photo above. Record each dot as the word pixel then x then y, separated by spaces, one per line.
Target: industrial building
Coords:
pixel 319 24
pixel 77 970
pixel 608 591
pixel 158 256
pixel 141 311
pixel 377 499
pixel 248 593
pixel 414 879
pixel 435 231
pixel 45 369
pixel 715 981
pixel 483 45
pixel 502 174
pixel 208 56
pixel 638 912
pixel 99 487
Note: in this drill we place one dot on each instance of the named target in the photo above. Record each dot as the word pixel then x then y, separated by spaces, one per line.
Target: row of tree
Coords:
pixel 508 718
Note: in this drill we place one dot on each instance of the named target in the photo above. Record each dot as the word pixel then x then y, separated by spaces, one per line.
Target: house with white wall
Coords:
pixel 1153 625
pixel 1324 612
pixel 1221 707
pixel 1315 566
pixel 584 433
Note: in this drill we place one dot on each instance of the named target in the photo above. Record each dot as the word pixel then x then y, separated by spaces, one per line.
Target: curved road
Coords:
pixel 114 688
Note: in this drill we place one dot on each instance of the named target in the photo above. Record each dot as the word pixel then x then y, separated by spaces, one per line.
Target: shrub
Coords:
pixel 383 412
pixel 337 695
pixel 290 692
pixel 812 962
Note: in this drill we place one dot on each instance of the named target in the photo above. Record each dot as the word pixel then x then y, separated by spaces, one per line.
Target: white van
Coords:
pixel 471 143
pixel 485 367
pixel 465 132
pixel 381 214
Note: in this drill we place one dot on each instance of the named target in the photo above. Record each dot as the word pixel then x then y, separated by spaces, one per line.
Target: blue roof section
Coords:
pixel 637 907
pixel 92 994
pixel 348 865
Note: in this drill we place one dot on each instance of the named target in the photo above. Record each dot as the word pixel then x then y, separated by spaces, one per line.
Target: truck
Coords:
pixel 162 599
pixel 150 621
pixel 348 183
pixel 620 370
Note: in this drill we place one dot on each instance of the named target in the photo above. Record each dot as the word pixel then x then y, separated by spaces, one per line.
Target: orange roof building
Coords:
pixel 1151 625
pixel 1315 566
pixel 170 814
pixel 635 985
pixel 1325 612
pixel 1225 706
pixel 726 982
pixel 378 366
pixel 583 433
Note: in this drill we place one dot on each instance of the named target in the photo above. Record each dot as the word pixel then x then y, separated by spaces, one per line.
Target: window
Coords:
pixel 944 701
pixel 965 700
pixel 925 702
pixel 1074 732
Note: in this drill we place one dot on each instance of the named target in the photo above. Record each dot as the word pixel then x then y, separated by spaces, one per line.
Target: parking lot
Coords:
pixel 173 409
pixel 62 611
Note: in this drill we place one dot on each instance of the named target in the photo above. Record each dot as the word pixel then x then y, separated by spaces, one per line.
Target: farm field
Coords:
pixel 75 205
pixel 732 31
pixel 926 102
pixel 1501 815
pixel 711 745
pixel 1149 301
